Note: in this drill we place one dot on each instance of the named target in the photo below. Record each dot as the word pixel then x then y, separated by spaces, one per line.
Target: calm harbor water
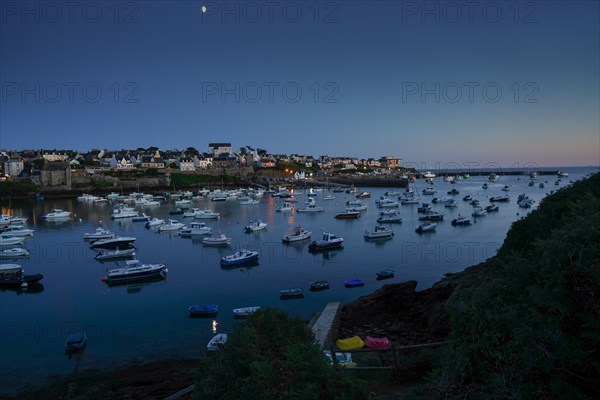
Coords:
pixel 145 322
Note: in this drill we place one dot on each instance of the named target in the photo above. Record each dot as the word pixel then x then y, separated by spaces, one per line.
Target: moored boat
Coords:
pixel 57 214
pixel 10 240
pixel 19 230
pixel 328 241
pixel 15 252
pixel 350 213
pixel 171 225
pixel 120 242
pixel 203 310
pixel 319 285
pixel 492 208
pixel 285 206
pixel 432 216
pixel 380 232
pixel 219 240
pixel 504 198
pixel 217 342
pixel 389 219
pixel 75 342
pixel 461 220
pixel 254 226
pixel 291 293
pixel 299 233
pixel 207 214
pixel 14 275
pixel 245 311
pixel 426 227
pixel 385 274
pixel 195 229
pixel 351 283
pixel 100 233
pixel 154 222
pixel 115 254
pixel 239 257
pixel 135 271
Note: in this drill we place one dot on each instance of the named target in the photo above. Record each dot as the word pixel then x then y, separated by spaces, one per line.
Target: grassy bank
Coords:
pixel 531 329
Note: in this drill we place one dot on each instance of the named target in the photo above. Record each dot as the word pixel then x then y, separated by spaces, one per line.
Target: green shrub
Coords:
pixel 272 357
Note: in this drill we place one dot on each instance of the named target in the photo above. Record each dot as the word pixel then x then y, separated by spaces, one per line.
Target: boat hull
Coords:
pixel 136 277
pixel 29 279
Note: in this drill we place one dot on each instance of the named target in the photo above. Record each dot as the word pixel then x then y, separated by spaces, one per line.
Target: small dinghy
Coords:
pixel 319 285
pixel 115 254
pixel 385 274
pixel 292 293
pixel 217 342
pixel 245 311
pixel 203 310
pixel 352 283
pixel 75 342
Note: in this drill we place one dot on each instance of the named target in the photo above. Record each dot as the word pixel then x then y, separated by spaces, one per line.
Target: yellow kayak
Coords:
pixel 351 343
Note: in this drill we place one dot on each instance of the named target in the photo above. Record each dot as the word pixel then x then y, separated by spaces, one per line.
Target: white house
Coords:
pixel 219 148
pixel 186 164
pixel 13 167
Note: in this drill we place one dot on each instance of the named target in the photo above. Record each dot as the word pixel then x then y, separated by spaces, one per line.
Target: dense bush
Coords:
pixel 272 357
pixel 531 329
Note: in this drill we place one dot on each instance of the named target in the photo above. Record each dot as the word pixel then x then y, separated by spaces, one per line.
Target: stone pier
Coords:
pixel 325 327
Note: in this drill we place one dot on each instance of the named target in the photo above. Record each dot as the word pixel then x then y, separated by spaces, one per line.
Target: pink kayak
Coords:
pixel 377 343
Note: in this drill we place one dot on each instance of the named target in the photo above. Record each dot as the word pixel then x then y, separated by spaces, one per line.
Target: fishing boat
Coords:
pixel 426 227
pixel 154 222
pixel 461 220
pixel 328 241
pixel 245 311
pixel 389 219
pixel 120 242
pixel 75 342
pixel 19 230
pixel 207 214
pixel 115 254
pixel 239 257
pixel 319 285
pixel 380 232
pixel 14 275
pixel 351 283
pixel 299 233
pixel 285 206
pixel 219 240
pixel 195 229
pixel 100 233
pixel 15 252
pixel 349 213
pixel 255 226
pixel 385 274
pixel 217 342
pixel 10 240
pixel 57 214
pixel 135 271
pixel 171 225
pixel 203 310
pixel 291 293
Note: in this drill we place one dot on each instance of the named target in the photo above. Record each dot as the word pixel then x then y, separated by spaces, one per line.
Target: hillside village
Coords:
pixel 67 169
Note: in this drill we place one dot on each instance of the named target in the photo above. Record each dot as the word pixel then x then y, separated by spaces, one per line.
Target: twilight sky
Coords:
pixel 433 82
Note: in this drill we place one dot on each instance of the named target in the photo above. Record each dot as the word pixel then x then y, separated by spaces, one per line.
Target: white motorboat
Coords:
pixel 119 242
pixel 461 220
pixel 100 233
pixel 357 205
pixel 254 226
pixel 154 222
pixel 10 240
pixel 285 206
pixel 239 257
pixel 311 207
pixel 245 311
pixel 171 225
pixel 389 211
pixel 15 252
pixel 115 254
pixel 219 240
pixel 380 232
pixel 57 214
pixel 428 175
pixel 389 219
pixel 207 214
pixel 247 201
pixel 124 212
pixel 12 220
pixel 479 212
pixel 409 200
pixel 183 203
pixel 562 174
pixel 19 230
pixel 192 213
pixel 387 203
pixel 328 196
pixel 217 342
pixel 426 227
pixel 299 233
pixel 87 197
pixel 150 203
pixel 195 229
pixel 135 271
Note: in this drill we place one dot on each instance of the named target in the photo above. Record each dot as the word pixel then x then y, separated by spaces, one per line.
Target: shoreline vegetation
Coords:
pixel 523 324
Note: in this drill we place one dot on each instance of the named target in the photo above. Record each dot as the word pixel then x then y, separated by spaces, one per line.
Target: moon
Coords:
pixel 204 9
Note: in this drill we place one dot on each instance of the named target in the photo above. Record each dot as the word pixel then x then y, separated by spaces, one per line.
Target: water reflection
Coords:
pixel 32 288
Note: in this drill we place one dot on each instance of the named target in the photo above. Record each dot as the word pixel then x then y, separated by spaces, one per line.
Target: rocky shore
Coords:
pixel 403 315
